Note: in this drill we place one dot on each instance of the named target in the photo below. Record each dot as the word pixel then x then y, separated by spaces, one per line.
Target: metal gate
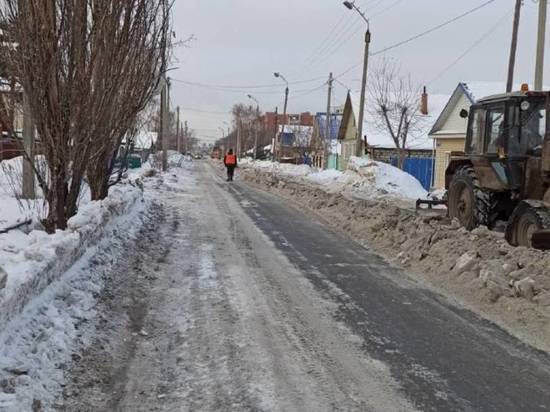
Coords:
pixel 419 167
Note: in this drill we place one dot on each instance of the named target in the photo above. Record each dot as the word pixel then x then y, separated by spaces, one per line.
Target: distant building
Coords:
pixel 326 149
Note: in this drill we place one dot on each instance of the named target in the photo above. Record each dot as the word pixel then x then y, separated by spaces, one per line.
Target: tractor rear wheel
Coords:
pixel 468 203
pixel 526 220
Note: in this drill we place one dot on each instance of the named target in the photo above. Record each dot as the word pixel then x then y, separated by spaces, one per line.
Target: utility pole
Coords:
pixel 363 93
pixel 329 116
pixel 274 141
pixel 164 123
pixel 186 137
pixel 352 6
pixel 514 47
pixel 256 124
pixel 28 145
pixel 178 139
pixel 280 76
pixel 256 127
pixel 238 145
pixel 539 71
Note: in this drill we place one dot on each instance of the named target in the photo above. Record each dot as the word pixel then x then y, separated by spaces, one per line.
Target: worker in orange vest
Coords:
pixel 230 162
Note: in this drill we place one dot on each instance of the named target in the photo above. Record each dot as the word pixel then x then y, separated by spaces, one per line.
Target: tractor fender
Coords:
pixel 453 166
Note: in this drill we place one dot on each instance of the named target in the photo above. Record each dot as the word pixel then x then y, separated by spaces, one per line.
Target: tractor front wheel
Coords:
pixel 467 201
pixel 526 220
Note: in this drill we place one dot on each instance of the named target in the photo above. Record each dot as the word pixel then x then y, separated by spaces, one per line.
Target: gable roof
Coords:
pixel 380 138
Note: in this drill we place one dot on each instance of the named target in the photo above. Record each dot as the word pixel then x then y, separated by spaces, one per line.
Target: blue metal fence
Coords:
pixel 419 167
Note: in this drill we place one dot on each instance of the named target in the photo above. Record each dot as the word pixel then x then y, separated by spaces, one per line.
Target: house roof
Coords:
pixel 379 137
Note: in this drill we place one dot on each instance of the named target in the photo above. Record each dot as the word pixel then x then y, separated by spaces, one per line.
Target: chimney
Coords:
pixel 424 102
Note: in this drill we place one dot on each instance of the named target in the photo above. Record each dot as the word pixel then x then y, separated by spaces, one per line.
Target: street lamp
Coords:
pixel 352 6
pixel 256 124
pixel 280 76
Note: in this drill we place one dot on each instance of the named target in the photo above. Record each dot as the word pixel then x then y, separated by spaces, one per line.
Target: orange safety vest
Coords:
pixel 230 160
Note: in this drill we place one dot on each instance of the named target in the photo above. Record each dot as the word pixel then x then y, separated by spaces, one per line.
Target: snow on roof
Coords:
pixel 145 139
pixel 418 139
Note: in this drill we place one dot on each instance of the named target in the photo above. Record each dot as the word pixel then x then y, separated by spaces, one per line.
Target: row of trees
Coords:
pixel 248 128
pixel 88 69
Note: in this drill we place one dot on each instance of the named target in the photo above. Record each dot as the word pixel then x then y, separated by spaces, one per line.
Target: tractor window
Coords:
pixel 534 129
pixel 514 142
pixel 477 127
pixel 495 130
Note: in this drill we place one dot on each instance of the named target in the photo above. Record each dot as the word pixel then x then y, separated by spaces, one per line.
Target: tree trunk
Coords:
pixel 57 218
pixel 401 155
pixel 98 178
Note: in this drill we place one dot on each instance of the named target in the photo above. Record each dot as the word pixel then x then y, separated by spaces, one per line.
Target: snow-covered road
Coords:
pixel 231 299
pixel 204 313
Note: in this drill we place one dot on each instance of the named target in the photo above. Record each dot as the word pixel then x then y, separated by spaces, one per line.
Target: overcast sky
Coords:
pixel 240 43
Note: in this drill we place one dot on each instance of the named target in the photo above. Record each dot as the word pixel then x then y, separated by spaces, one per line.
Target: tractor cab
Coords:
pixel 504 132
pixel 505 162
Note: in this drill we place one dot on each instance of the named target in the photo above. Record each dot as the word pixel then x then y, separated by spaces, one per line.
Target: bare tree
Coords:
pixel 395 105
pixel 88 68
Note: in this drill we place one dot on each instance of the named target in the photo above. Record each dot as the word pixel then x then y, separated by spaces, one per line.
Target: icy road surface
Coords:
pixel 235 300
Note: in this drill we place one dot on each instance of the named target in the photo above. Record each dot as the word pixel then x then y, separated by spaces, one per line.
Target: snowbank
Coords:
pixel 364 178
pixel 54 285
pixel 32 260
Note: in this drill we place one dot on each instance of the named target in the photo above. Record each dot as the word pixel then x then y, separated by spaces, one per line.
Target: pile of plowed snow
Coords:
pixel 363 178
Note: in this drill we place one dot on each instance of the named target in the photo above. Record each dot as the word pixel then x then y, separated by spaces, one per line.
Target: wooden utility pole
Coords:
pixel 238 145
pixel 178 139
pixel 329 117
pixel 274 141
pixel 514 47
pixel 359 152
pixel 164 124
pixel 256 127
pixel 186 131
pixel 541 36
pixel 28 190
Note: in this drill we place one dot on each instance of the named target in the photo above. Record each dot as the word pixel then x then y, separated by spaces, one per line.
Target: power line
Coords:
pixel 422 34
pixel 353 30
pixel 472 47
pixel 439 26
pixel 243 88
pixel 391 6
pixel 187 109
pixel 354 33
